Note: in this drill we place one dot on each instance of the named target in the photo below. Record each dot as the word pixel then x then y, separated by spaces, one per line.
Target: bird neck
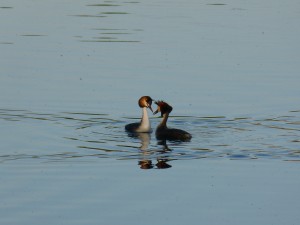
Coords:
pixel 163 123
pixel 145 119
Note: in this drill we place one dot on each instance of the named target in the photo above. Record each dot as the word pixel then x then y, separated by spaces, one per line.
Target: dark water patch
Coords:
pixel 115 13
pixel 216 4
pixel 112 35
pixel 294 111
pixel 107 38
pixel 6 7
pixel 241 118
pixel 33 35
pixel 107 29
pixel 203 149
pixel 11 157
pixel 6 43
pixel 103 5
pixel 240 156
pixel 89 16
pixel 110 41
pixel 291 160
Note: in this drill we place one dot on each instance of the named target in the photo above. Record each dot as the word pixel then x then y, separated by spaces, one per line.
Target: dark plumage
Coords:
pixel 172 134
pixel 165 133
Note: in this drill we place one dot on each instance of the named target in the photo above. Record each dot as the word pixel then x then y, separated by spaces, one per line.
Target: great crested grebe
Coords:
pixel 143 126
pixel 165 133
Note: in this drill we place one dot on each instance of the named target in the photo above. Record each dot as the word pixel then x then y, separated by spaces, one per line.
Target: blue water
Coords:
pixel 72 72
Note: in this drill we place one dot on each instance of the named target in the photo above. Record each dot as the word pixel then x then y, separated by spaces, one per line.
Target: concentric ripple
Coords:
pixel 88 135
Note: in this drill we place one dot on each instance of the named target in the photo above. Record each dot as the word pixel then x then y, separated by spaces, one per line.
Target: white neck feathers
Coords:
pixel 145 123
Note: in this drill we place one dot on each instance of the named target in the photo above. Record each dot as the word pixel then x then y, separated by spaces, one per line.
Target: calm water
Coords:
pixel 72 72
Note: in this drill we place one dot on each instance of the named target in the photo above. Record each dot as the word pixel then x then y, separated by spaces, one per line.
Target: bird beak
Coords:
pixel 155 112
pixel 149 106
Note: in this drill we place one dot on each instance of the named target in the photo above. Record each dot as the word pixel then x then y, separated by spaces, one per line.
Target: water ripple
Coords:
pixel 90 135
pixel 107 35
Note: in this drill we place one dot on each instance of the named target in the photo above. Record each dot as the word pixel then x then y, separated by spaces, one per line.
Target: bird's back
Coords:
pixel 132 127
pixel 172 134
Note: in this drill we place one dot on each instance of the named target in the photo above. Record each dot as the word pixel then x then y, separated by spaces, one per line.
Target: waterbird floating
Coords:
pixel 165 133
pixel 144 125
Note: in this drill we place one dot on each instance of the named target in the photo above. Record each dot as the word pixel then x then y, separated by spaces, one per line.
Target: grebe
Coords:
pixel 144 126
pixel 165 133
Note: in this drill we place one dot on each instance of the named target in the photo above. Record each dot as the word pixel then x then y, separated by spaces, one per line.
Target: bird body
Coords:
pixel 162 131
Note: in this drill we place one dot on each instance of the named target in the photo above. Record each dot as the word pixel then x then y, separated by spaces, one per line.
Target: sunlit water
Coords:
pixel 71 73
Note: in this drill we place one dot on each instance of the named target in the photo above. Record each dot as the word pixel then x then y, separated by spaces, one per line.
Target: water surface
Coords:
pixel 72 72
pixel 88 135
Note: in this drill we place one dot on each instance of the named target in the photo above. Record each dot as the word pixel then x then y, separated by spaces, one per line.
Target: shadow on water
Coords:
pixel 88 136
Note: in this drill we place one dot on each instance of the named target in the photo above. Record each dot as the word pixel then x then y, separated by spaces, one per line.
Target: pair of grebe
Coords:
pixel 162 131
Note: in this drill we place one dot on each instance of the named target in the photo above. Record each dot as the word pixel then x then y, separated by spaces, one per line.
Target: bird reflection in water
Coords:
pixel 162 162
pixel 145 162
